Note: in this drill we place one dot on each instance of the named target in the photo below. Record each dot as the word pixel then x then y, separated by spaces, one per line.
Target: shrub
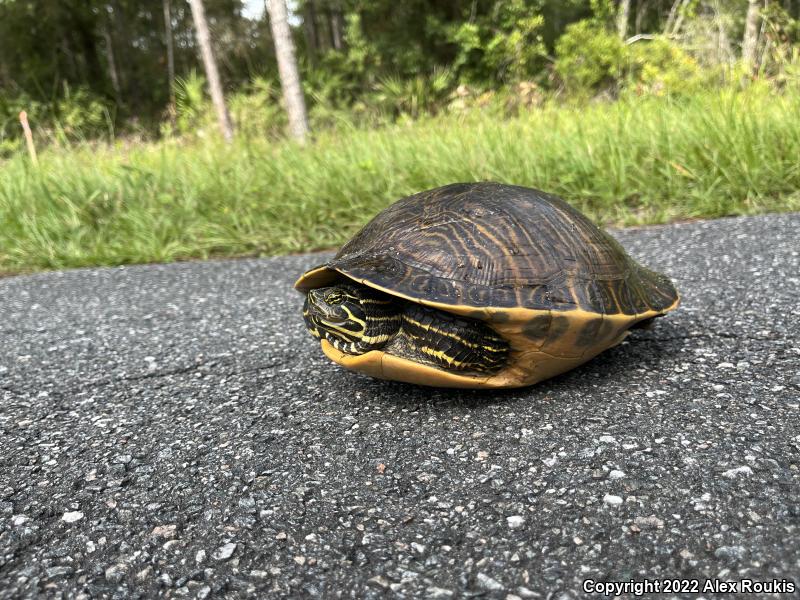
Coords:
pixel 79 115
pixel 256 109
pixel 589 58
pixel 75 115
pixel 423 94
pixel 661 67
pixel 192 108
pixel 502 46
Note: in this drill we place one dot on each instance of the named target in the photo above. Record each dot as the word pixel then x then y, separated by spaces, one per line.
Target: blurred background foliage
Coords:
pixel 96 69
pixel 635 111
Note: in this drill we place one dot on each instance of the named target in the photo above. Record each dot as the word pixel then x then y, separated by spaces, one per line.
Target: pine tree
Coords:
pixel 287 68
pixel 210 64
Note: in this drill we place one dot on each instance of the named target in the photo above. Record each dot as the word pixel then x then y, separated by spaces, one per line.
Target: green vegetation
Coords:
pixel 99 69
pixel 636 111
pixel 637 160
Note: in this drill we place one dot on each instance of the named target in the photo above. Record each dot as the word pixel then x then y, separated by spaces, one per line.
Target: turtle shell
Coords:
pixel 523 260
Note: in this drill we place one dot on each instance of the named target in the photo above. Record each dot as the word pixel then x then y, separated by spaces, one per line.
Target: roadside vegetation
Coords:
pixel 634 161
pixel 637 112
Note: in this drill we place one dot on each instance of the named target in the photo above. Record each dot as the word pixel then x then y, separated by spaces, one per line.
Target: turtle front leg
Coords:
pixel 449 342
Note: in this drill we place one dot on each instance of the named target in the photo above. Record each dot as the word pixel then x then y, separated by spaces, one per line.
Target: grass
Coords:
pixel 637 161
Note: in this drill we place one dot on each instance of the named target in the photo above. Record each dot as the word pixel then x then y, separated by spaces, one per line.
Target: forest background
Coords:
pixel 636 111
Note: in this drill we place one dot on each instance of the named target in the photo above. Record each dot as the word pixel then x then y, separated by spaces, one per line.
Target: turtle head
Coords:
pixel 352 318
pixel 337 307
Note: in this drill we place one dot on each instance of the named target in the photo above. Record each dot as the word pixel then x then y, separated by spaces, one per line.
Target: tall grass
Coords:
pixel 647 160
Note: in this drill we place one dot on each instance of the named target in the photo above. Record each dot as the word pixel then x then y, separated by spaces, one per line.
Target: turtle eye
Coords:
pixel 334 298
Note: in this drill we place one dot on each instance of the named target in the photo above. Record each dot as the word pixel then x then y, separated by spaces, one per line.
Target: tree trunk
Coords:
pixel 71 65
pixel 119 25
pixel 170 53
pixel 310 27
pixel 210 64
pixel 679 20
pixel 750 40
pixel 113 73
pixel 83 29
pixel 337 27
pixel 622 18
pixel 674 16
pixel 641 10
pixel 722 53
pixel 5 76
pixel 287 69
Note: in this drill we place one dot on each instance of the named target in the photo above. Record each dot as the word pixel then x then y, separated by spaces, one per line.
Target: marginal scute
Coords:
pixel 537 296
pixel 562 296
pixel 627 298
pixel 661 289
pixel 644 297
pixel 479 296
pixel 606 330
pixel 606 294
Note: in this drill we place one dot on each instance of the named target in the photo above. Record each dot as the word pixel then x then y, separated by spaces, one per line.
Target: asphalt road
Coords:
pixel 173 430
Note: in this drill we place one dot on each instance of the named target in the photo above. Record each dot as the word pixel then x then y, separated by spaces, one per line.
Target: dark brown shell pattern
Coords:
pixel 495 245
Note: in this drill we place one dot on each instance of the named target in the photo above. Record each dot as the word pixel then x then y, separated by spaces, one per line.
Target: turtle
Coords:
pixel 478 285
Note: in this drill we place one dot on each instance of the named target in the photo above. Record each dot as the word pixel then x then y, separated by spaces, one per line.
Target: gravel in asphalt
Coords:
pixel 173 430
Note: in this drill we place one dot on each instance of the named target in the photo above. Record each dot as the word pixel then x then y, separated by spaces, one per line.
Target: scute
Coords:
pixel 493 245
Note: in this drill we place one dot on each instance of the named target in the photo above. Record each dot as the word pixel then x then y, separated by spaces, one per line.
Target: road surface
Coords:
pixel 172 429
